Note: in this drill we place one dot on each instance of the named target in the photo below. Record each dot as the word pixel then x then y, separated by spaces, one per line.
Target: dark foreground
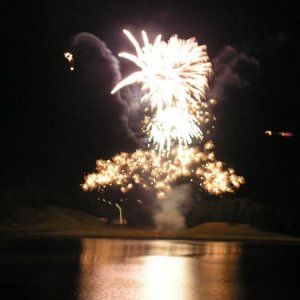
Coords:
pixel 93 269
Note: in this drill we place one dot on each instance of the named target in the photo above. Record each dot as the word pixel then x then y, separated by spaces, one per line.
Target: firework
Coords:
pixel 149 170
pixel 69 57
pixel 172 73
pixel 173 124
pixel 174 78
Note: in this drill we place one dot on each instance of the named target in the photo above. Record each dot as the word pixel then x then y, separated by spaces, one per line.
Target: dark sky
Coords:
pixel 56 123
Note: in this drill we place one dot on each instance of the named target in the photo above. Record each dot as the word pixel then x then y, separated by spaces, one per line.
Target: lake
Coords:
pixel 90 269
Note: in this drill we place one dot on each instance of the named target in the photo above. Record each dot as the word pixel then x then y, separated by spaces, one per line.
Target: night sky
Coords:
pixel 55 123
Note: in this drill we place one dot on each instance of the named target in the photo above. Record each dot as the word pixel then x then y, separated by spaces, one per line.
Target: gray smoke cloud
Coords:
pixel 135 109
pixel 91 46
pixel 172 210
pixel 232 69
pixel 102 72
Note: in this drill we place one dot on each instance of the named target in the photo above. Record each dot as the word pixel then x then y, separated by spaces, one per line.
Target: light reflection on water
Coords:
pixel 131 269
pixel 71 269
pixel 164 277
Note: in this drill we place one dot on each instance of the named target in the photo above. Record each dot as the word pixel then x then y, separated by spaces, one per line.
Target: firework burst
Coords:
pixel 172 73
pixel 174 78
pixel 149 170
pixel 173 124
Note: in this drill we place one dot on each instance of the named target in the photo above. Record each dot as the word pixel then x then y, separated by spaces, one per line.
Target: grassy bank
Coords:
pixel 62 222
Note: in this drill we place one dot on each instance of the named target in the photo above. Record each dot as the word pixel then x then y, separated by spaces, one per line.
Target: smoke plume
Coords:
pixel 101 73
pixel 172 210
pixel 92 48
pixel 232 69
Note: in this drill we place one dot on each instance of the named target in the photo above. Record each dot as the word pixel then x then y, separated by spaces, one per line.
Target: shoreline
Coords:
pixel 58 222
pixel 199 234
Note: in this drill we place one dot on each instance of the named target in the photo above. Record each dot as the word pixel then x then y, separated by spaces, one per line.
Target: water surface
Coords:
pixel 90 269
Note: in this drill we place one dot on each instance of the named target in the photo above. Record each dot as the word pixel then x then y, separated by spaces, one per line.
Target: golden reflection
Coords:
pixel 219 277
pixel 153 270
pixel 165 277
pixel 219 248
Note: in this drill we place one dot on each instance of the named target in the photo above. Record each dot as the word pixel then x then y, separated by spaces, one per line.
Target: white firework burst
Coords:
pixel 173 73
pixel 173 125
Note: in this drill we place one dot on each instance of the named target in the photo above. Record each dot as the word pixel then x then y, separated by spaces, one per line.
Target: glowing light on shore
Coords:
pixel 280 133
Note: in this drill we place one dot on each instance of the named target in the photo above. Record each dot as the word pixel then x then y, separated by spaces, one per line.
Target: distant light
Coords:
pixel 285 134
pixel 280 133
pixel 268 132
